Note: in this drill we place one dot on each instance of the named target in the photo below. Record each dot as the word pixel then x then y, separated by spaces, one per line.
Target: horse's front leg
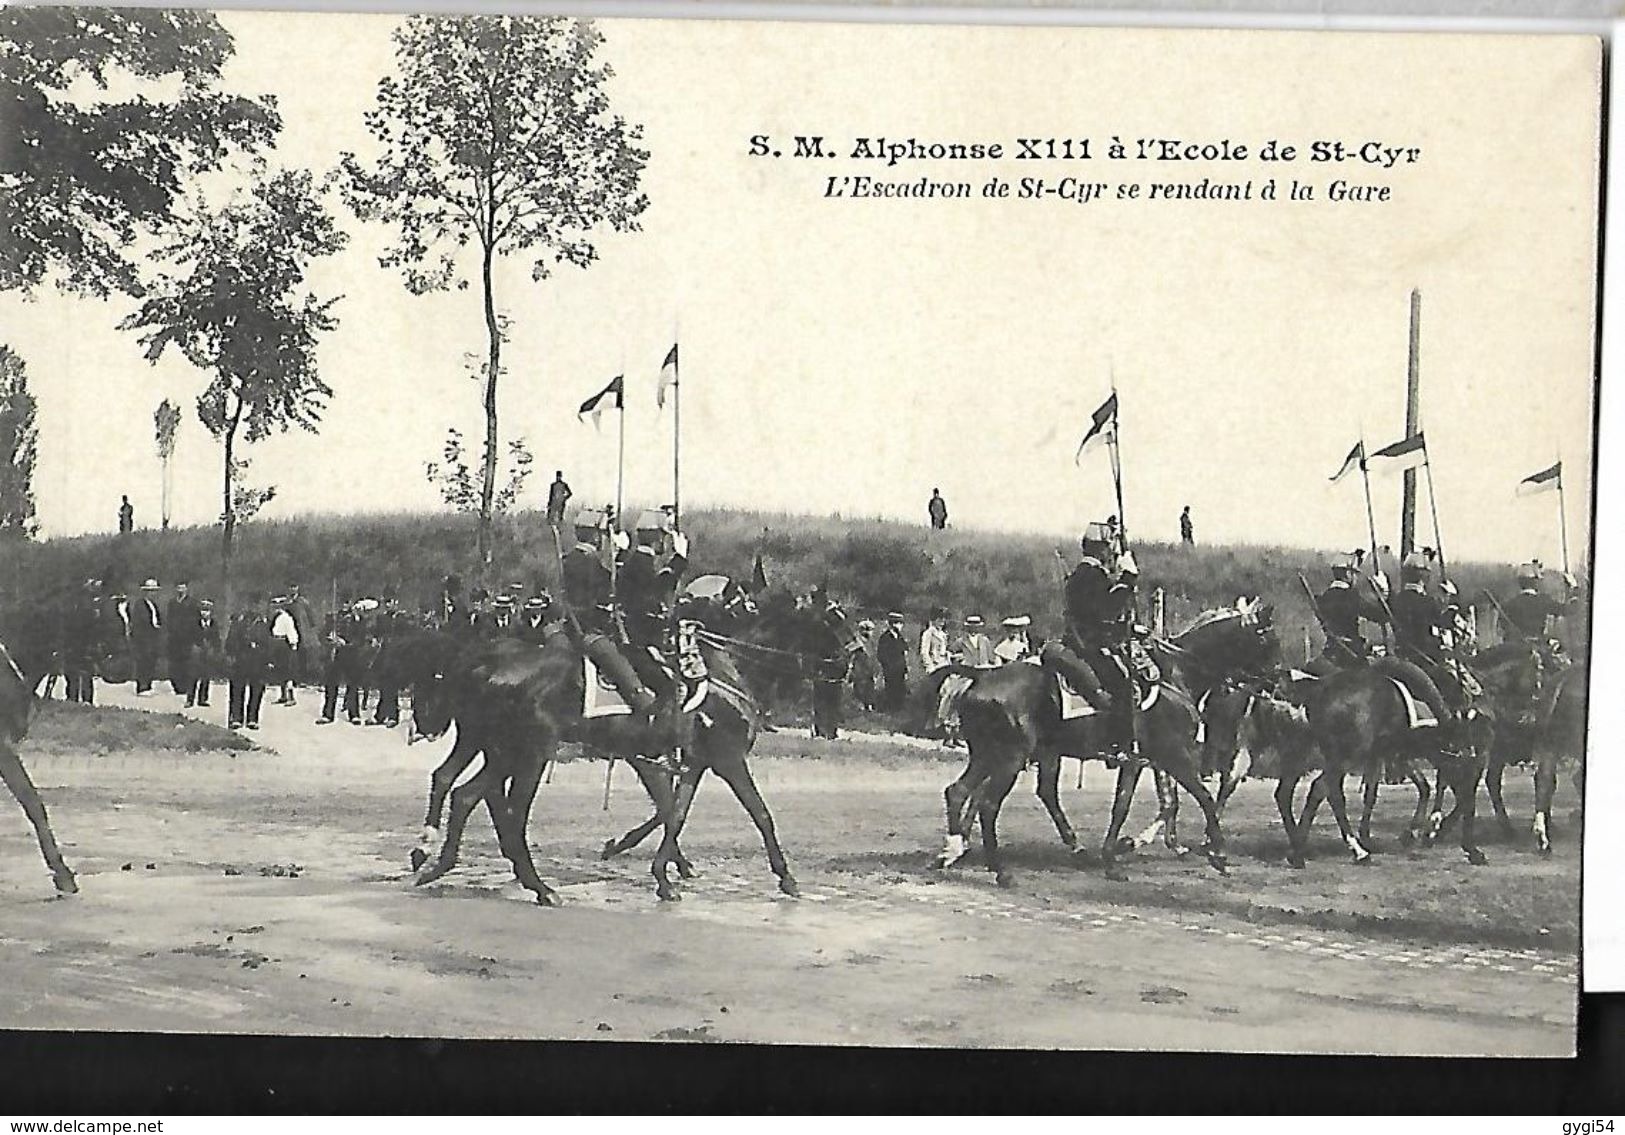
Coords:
pixel 1049 792
pixel 440 784
pixel 22 787
pixel 1114 845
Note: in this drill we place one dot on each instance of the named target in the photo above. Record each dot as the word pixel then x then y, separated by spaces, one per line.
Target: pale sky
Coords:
pixel 849 355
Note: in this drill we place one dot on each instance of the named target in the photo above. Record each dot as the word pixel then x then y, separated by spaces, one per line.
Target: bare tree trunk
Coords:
pixel 493 362
pixel 228 528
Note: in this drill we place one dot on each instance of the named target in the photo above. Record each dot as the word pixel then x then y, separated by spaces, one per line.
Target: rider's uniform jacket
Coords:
pixel 644 587
pixel 1528 611
pixel 1091 610
pixel 1340 609
pixel 586 579
pixel 1418 618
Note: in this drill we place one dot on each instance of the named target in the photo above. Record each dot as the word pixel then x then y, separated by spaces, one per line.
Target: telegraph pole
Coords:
pixel 1413 425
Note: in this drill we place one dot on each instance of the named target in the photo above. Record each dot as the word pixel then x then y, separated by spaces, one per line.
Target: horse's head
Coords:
pixel 1233 640
pixel 1513 675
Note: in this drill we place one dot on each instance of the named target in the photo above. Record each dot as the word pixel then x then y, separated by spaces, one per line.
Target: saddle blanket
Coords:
pixel 600 698
pixel 1074 705
pixel 1421 717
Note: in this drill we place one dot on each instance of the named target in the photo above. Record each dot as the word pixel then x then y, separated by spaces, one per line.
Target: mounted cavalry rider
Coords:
pixel 1528 612
pixel 1092 652
pixel 1425 633
pixel 1341 608
pixel 586 572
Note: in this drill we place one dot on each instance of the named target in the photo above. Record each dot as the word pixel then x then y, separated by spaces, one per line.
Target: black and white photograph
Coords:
pixel 700 530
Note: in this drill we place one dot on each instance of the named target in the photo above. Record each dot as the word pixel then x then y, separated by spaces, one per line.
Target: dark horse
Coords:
pixel 19 678
pixel 763 647
pixel 1012 715
pixel 1355 720
pixel 516 703
pixel 1524 693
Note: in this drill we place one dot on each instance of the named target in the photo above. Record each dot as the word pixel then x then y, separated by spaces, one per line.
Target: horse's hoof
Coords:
pixel 1296 862
pixel 1005 880
pixel 549 898
pixel 1180 850
pixel 790 887
pixel 65 883
pixel 1476 857
pixel 1219 863
pixel 429 876
pixel 418 858
pixel 1545 850
pixel 1125 846
pixel 609 850
pixel 1116 874
pixel 668 894
pixel 1407 839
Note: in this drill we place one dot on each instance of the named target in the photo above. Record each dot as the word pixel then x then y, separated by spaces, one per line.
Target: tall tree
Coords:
pixel 107 112
pixel 17 448
pixel 496 131
pixel 165 420
pixel 233 301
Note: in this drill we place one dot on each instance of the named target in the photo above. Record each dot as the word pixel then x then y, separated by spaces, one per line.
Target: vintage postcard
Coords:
pixel 1037 537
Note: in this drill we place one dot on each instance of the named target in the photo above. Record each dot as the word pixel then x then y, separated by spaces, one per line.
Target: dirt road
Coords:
pixel 268 892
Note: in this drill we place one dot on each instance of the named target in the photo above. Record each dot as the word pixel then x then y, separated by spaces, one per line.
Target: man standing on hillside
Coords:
pixel 937 509
pixel 558 497
pixel 126 515
pixel 1187 531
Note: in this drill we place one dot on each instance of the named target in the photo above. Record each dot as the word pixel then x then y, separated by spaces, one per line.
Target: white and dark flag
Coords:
pixel 1102 427
pixel 1407 454
pixel 613 395
pixel 668 376
pixel 1355 460
pixel 1546 481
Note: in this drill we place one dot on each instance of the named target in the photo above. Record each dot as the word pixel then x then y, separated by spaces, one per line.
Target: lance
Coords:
pixel 1370 516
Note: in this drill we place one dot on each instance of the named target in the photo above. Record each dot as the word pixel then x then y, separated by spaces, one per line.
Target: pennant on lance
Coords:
pixel 668 376
pixel 1102 427
pixel 1407 454
pixel 1546 481
pixel 595 406
pixel 1355 460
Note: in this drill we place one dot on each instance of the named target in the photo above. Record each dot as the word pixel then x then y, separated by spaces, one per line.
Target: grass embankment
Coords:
pixel 68 729
pixel 874 565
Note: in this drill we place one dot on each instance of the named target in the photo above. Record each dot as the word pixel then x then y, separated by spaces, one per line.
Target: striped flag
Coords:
pixel 668 376
pixel 1543 482
pixel 1102 427
pixel 1355 460
pixel 1407 454
pixel 595 405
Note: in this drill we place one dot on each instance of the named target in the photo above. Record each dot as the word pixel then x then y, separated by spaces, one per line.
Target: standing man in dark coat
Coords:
pixel 180 636
pixel 1187 530
pixel 558 498
pixel 304 623
pixel 126 516
pixel 893 657
pixel 146 627
pixel 937 509
pixel 829 681
pixel 81 647
pixel 341 640
pixel 390 623
pixel 248 663
pixel 205 657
